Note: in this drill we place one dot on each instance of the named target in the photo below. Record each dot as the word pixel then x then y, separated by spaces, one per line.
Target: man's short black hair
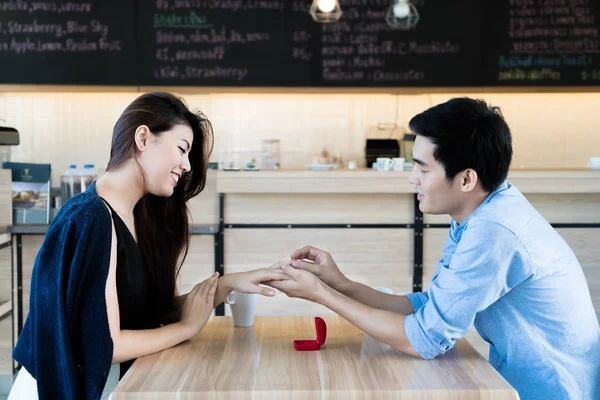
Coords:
pixel 468 134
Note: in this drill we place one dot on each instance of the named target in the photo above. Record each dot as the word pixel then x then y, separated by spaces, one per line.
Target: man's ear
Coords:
pixel 142 135
pixel 469 180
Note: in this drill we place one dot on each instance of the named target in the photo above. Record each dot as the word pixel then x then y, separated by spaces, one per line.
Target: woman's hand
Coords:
pixel 249 281
pixel 198 305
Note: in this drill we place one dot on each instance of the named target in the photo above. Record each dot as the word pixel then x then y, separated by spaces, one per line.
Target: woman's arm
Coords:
pixel 195 310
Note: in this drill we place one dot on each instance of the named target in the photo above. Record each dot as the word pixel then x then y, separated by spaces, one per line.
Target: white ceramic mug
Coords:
pixel 383 164
pixel 398 164
pixel 243 308
pixel 594 162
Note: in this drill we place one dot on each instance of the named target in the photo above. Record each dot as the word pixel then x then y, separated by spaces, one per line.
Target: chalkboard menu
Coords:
pixel 268 43
pixel 61 42
pixel 276 42
pixel 543 42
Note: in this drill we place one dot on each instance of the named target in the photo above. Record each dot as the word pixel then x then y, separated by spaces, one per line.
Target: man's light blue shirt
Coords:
pixel 506 271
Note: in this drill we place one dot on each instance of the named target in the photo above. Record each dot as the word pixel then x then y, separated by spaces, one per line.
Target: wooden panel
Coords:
pixel 555 207
pixel 5 199
pixel 433 244
pixel 567 208
pixel 584 243
pixel 204 208
pixel 6 350
pixel 5 282
pixel 335 181
pixel 368 181
pixel 437 219
pixel 558 181
pixel 31 246
pixel 318 208
pixel 223 362
pixel 199 264
pixel 375 257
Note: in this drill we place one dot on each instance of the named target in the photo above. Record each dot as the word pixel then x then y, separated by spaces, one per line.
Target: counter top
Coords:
pixel 4 238
pixel 371 181
pixel 206 229
pixel 223 362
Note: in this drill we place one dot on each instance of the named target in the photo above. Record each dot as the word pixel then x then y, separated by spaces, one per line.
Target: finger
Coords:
pixel 207 284
pixel 308 266
pixel 195 289
pixel 259 290
pixel 212 291
pixel 291 272
pixel 203 287
pixel 278 265
pixel 216 274
pixel 282 286
pixel 307 252
pixel 266 291
pixel 273 276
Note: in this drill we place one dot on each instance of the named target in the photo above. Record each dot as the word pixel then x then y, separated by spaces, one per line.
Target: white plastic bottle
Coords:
pixel 69 183
pixel 88 176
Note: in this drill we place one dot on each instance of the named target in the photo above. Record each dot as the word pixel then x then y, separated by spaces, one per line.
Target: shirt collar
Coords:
pixel 501 187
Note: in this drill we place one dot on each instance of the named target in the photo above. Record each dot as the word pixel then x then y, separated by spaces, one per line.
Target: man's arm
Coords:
pixel 385 325
pixel 373 298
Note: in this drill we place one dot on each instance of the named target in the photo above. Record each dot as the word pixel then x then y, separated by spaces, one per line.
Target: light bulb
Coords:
pixel 326 6
pixel 401 9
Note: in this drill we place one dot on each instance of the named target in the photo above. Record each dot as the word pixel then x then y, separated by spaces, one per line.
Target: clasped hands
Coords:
pixel 308 274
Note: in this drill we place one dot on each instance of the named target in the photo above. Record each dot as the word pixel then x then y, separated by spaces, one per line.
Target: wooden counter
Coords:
pixel 370 181
pixel 5 199
pixel 223 362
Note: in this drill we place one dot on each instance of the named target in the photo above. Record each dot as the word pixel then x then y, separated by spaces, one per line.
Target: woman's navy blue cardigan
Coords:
pixel 65 344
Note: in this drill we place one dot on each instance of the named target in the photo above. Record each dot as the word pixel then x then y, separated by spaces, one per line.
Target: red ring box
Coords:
pixel 308 345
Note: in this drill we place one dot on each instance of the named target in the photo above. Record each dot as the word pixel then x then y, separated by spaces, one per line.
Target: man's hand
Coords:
pixel 300 284
pixel 320 264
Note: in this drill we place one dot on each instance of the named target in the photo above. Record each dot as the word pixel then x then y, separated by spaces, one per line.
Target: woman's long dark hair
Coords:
pixel 161 223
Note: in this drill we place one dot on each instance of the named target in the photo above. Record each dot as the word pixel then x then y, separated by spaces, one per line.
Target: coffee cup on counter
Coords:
pixel 383 164
pixel 398 164
pixel 243 308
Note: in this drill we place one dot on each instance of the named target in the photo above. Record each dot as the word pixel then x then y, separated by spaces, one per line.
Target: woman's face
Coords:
pixel 166 158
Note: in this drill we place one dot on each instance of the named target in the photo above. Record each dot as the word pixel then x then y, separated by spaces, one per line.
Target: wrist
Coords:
pixel 345 286
pixel 226 283
pixel 186 331
pixel 324 293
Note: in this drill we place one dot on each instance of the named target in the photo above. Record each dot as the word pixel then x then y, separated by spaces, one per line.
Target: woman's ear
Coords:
pixel 142 135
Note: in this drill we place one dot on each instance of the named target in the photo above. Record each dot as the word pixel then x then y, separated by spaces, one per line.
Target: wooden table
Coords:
pixel 224 362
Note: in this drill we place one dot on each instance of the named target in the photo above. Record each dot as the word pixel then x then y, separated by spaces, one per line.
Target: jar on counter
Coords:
pixel 270 154
pixel 70 183
pixel 88 176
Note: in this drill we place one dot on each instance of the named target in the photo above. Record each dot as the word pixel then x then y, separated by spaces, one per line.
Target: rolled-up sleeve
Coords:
pixel 417 299
pixel 488 262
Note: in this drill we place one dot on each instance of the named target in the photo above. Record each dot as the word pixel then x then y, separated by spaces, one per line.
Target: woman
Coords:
pixel 103 289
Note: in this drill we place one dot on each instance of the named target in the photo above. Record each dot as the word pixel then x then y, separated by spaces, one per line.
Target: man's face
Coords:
pixel 436 195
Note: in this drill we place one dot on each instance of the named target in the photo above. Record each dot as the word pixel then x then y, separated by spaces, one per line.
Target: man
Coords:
pixel 504 269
